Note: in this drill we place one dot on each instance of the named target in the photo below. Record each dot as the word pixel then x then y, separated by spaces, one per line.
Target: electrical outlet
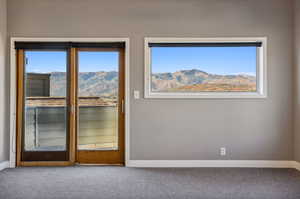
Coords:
pixel 136 94
pixel 222 151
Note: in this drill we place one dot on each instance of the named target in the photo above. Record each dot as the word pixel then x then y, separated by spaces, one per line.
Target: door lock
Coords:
pixel 122 106
pixel 72 109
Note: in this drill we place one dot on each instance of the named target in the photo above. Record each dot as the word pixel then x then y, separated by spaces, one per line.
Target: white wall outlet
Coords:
pixel 222 151
pixel 136 94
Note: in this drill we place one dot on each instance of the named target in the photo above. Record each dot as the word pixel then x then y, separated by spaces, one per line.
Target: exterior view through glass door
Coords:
pixel 70 103
pixel 100 106
pixel 43 105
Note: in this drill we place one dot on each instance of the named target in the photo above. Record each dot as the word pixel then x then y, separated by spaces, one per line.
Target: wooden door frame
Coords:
pixel 13 100
pixel 105 156
pixel 20 115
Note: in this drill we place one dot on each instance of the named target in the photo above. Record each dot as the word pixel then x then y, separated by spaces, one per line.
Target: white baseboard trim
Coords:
pixel 4 165
pixel 296 165
pixel 203 163
pixel 212 163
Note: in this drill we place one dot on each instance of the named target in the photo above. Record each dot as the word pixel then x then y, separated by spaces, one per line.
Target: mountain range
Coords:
pixel 197 80
pixel 105 84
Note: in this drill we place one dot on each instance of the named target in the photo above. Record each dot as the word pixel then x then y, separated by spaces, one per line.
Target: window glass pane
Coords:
pixel 203 69
pixel 45 109
pixel 98 85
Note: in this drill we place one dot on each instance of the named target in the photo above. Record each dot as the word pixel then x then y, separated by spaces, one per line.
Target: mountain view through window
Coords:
pixel 203 69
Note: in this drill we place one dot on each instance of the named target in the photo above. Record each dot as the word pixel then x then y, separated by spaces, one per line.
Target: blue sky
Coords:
pixel 215 60
pixel 98 61
pixel 55 61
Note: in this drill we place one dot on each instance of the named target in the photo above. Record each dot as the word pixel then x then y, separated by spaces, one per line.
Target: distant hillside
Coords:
pixel 106 83
pixel 90 83
pixel 197 80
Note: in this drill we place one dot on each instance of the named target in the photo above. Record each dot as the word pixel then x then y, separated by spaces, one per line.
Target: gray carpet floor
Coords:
pixel 84 182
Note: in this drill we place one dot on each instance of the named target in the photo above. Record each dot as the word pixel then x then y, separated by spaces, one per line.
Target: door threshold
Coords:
pixel 94 164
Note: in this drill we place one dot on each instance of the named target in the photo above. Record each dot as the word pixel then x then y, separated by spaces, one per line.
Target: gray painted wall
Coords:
pixel 251 129
pixel 4 144
pixel 297 79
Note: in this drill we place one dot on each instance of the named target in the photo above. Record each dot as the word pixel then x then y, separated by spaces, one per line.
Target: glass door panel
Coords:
pixel 98 86
pixel 45 106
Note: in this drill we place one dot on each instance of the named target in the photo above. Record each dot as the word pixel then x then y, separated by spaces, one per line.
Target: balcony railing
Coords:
pixel 46 123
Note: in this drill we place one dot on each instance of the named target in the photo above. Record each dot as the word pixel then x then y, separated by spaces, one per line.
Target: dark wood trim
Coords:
pixel 122 98
pixel 28 156
pixel 100 157
pixel 98 49
pixel 45 163
pixel 72 106
pixel 19 108
pixel 99 45
pixel 65 45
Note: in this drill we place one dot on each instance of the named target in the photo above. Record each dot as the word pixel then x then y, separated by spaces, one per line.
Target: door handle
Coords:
pixel 122 106
pixel 72 109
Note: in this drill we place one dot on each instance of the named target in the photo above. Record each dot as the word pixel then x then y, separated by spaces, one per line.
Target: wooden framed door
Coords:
pixel 70 103
pixel 43 113
pixel 100 112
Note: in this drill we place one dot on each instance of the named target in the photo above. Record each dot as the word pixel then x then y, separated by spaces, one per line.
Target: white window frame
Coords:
pixel 261 71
